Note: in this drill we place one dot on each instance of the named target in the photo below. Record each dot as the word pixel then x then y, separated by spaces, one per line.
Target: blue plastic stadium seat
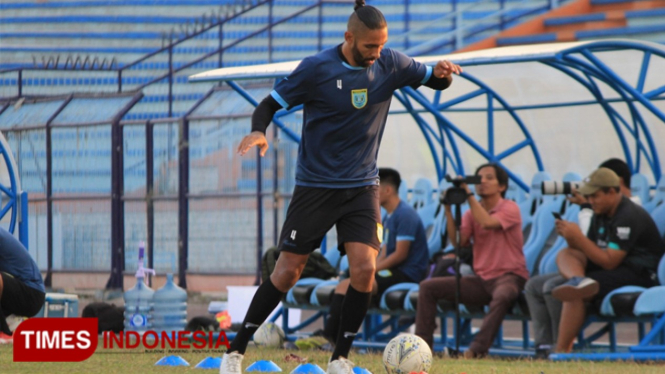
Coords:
pixel 646 301
pixel 403 192
pixel 548 262
pixel 393 298
pixel 541 229
pixel 658 215
pixel 650 301
pixel 639 186
pixel 421 195
pixel 529 206
pixel 515 193
pixel 658 198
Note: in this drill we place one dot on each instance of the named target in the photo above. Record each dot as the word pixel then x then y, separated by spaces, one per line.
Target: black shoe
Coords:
pixel 542 354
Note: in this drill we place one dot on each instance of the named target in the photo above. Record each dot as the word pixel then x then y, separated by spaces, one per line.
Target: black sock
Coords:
pixel 354 310
pixel 331 328
pixel 264 302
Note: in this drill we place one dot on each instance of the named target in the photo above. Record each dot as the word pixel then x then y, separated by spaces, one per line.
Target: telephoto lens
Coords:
pixel 559 188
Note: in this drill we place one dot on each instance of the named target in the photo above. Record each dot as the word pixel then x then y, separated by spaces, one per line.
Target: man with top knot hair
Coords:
pixel 346 92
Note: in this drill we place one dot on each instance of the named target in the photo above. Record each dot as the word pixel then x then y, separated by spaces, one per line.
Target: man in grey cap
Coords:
pixel 622 247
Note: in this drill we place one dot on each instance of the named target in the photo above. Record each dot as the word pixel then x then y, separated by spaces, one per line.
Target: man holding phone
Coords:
pixel 544 308
pixel 622 247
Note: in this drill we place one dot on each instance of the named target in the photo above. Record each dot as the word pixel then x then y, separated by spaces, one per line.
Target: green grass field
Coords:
pixel 139 362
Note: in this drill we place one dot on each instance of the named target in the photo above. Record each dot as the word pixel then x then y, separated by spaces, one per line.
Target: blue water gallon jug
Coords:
pixel 138 300
pixel 170 307
pixel 138 307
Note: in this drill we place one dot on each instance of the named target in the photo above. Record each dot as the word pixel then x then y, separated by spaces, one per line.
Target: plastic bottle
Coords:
pixel 138 300
pixel 169 307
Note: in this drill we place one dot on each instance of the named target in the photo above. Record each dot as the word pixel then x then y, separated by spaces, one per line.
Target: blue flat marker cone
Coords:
pixel 209 363
pixel 172 361
pixel 308 369
pixel 359 370
pixel 264 366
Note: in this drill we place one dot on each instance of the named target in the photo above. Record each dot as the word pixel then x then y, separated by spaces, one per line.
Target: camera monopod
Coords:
pixel 457 196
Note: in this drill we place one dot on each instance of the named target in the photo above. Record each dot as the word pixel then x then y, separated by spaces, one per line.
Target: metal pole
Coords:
pixel 259 217
pixel 116 280
pixel 502 6
pixel 320 31
pixel 170 81
pixel 49 207
pixel 406 23
pixel 458 29
pixel 149 183
pixel 20 82
pixel 49 193
pixel 221 42
pixel 183 205
pixel 458 281
pixel 119 80
pixel 270 6
pixel 275 184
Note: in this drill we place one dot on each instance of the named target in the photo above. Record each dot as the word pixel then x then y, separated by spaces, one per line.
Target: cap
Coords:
pixel 600 178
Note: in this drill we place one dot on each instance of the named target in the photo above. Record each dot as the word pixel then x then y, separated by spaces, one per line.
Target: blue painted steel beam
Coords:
pixel 590 86
pixel 643 71
pixel 461 99
pixel 637 95
pixel 23 223
pixel 426 130
pixel 290 133
pixel 612 80
pixel 640 357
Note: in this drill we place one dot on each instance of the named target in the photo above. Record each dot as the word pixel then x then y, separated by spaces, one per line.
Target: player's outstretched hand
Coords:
pixel 445 68
pixel 255 138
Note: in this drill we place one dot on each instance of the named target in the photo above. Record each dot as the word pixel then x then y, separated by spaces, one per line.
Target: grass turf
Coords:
pixel 139 361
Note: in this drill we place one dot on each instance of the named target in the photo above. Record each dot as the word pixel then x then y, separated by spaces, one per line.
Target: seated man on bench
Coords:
pixel 622 248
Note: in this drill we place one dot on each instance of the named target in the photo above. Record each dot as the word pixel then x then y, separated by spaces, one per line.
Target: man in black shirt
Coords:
pixel 623 247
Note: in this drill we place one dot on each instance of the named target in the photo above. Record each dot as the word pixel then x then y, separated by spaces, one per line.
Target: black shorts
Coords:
pixel 388 278
pixel 19 299
pixel 313 212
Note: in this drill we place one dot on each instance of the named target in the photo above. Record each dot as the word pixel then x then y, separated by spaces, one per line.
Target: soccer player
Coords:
pixel 346 91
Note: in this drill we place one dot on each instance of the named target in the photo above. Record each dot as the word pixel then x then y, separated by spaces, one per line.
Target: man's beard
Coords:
pixel 358 58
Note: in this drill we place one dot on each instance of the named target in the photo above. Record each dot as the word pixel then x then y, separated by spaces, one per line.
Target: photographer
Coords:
pixel 545 310
pixel 621 248
pixel 494 226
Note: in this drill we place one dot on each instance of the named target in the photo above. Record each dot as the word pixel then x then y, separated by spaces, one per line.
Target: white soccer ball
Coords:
pixel 269 335
pixel 407 353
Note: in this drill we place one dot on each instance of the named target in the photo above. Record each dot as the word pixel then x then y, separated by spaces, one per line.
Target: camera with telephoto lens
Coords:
pixel 456 194
pixel 560 188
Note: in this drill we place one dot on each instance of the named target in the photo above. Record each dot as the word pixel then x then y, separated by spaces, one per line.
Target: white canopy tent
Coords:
pixel 558 107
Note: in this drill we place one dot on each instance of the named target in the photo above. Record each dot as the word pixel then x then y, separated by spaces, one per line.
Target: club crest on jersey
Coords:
pixel 359 98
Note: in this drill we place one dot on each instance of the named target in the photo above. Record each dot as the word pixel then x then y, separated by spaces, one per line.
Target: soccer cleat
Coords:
pixel 340 366
pixel 231 363
pixel 576 288
pixel 6 339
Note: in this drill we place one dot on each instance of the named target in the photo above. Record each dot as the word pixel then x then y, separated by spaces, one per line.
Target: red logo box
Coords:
pixel 55 339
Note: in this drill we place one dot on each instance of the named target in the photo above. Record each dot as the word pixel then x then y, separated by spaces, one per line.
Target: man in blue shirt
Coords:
pixel 21 284
pixel 346 92
pixel 404 253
